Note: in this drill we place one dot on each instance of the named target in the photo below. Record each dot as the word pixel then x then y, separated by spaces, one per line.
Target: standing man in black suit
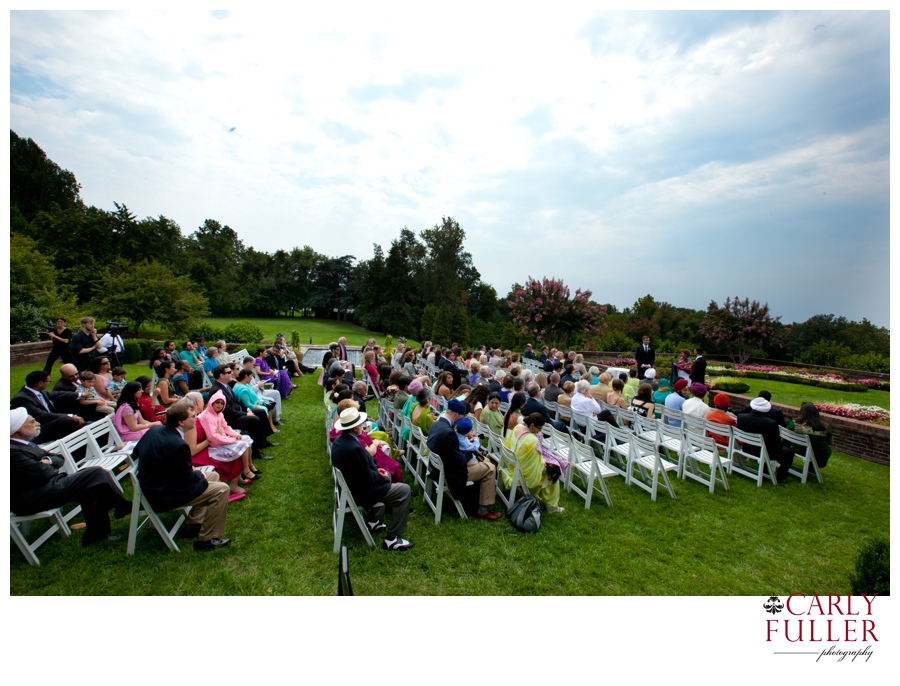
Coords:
pixel 36 484
pixel 168 479
pixel 698 370
pixel 460 467
pixel 34 398
pixel 645 356
pixel 252 422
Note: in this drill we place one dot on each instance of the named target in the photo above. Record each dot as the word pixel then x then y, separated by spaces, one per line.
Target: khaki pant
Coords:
pixel 210 508
pixel 486 474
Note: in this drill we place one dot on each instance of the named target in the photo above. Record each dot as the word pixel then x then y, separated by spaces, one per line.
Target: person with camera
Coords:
pixel 60 338
pixel 84 344
pixel 111 344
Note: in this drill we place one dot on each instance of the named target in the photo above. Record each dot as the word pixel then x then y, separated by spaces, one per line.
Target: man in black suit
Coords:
pixel 34 398
pixel 644 356
pixel 252 422
pixel 543 356
pixel 447 363
pixel 698 370
pixel 67 392
pixel 168 480
pixel 36 484
pixel 460 466
pixel 760 421
pixel 772 413
pixel 369 484
pixel 529 352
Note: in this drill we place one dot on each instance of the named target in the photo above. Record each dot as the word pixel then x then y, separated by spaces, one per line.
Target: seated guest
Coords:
pixel 158 355
pixel 476 400
pixel 628 390
pixel 35 400
pixel 247 397
pixel 660 395
pixel 526 441
pixel 369 484
pixel 374 443
pixel 541 380
pixel 616 396
pixel 254 423
pixel 36 484
pixel 168 479
pixel 420 414
pixel 118 383
pixel 460 467
pixel 194 371
pixel 280 378
pixel 600 390
pixel 650 378
pixel 382 381
pixel 368 363
pixel 632 379
pixel 101 368
pixel 221 355
pixel 359 394
pixel 642 403
pixel 809 423
pixel 182 379
pixel 578 366
pixel 91 398
pixel 444 385
pixel 268 396
pixel 228 450
pixel 720 415
pixel 514 411
pixel 759 421
pixel 675 400
pixel 774 413
pixel 565 400
pixel 491 415
pixel 696 406
pixel 569 375
pixel 552 391
pixel 165 389
pixel 593 376
pixel 582 401
pixel 402 394
pixel 150 412
pixel 507 389
pixel 127 419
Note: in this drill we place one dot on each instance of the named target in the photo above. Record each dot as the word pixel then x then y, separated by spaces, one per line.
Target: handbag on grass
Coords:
pixel 525 514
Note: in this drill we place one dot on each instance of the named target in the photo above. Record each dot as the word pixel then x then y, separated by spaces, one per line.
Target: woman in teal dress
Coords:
pixel 247 397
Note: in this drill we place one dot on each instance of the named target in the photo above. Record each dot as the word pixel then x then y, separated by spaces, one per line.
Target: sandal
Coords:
pixel 251 479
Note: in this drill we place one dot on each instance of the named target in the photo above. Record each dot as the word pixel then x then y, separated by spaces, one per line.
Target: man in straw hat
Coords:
pixel 369 484
pixel 36 484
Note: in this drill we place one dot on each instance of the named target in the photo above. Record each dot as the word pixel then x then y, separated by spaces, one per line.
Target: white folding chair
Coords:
pixel 552 409
pixel 508 461
pixel 671 440
pixel 646 428
pixel 723 431
pixel 625 418
pixel 672 414
pixel 694 425
pixel 140 507
pixel 75 442
pixel 592 472
pixel 564 414
pixel 578 426
pixel 650 466
pixel 343 503
pixel 417 455
pixel 800 445
pixel 617 449
pixel 741 456
pixel 441 489
pixel 702 461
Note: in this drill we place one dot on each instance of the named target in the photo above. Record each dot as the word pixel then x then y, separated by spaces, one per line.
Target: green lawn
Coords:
pixel 794 394
pixel 746 541
pixel 321 331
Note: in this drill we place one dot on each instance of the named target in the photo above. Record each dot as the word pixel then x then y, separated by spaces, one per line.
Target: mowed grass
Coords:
pixel 746 541
pixel 795 394
pixel 321 331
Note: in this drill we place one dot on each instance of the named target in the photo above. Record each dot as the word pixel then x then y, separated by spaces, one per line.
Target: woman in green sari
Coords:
pixel 491 414
pixel 421 414
pixel 523 441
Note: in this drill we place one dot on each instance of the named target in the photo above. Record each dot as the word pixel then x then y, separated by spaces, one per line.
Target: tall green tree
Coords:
pixel 36 182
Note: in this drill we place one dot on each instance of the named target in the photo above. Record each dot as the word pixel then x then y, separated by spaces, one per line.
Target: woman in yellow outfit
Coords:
pixel 525 441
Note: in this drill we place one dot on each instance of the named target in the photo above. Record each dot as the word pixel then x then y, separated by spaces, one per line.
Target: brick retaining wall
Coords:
pixel 861 439
pixel 29 353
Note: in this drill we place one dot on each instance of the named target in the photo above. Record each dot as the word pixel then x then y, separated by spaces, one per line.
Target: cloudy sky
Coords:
pixel 688 155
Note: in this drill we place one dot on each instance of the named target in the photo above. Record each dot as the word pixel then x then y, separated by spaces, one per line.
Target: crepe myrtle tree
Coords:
pixel 739 325
pixel 546 311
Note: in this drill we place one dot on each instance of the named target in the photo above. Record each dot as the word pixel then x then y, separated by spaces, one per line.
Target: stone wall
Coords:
pixel 29 353
pixel 861 439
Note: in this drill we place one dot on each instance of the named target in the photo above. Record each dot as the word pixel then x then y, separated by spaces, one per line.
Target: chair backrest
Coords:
pixel 644 425
pixel 696 443
pixel 495 444
pixel 643 446
pixel 579 421
pixel 344 587
pixel 606 406
pixel 552 408
pixel 721 430
pixel 693 424
pixel 564 413
pixel 581 453
pixel 625 417
pixel 671 413
pixel 794 437
pixel 481 429
pixel 618 435
pixel 558 439
pixel 742 439
pixel 503 407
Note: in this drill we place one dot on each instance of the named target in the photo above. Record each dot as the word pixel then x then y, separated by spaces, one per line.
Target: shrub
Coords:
pixel 25 321
pixel 206 330
pixel 133 352
pixel 730 386
pixel 873 569
pixel 869 362
pixel 243 331
pixel 295 339
pixel 851 387
pixel 824 352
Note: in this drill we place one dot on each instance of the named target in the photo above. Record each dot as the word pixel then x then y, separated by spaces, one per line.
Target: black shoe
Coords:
pixel 375 527
pixel 255 470
pixel 271 444
pixel 395 544
pixel 211 544
pixel 189 531
pixel 262 456
pixel 86 541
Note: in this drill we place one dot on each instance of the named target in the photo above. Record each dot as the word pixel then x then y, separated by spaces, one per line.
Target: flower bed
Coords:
pixel 803 377
pixel 863 413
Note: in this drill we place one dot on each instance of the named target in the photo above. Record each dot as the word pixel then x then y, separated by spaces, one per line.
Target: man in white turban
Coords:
pixel 36 482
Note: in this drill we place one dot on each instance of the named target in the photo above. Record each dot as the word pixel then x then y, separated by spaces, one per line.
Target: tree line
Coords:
pixel 70 258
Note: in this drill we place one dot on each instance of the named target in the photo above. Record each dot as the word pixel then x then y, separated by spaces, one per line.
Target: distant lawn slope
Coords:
pixel 321 331
pixel 794 394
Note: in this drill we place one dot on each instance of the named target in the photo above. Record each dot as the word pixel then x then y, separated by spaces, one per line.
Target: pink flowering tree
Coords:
pixel 545 311
pixel 740 325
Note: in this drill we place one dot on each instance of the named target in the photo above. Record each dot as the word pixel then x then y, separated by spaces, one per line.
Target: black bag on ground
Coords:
pixel 525 514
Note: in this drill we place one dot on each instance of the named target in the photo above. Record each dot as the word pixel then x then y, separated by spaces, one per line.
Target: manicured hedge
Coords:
pixel 731 386
pixel 799 380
